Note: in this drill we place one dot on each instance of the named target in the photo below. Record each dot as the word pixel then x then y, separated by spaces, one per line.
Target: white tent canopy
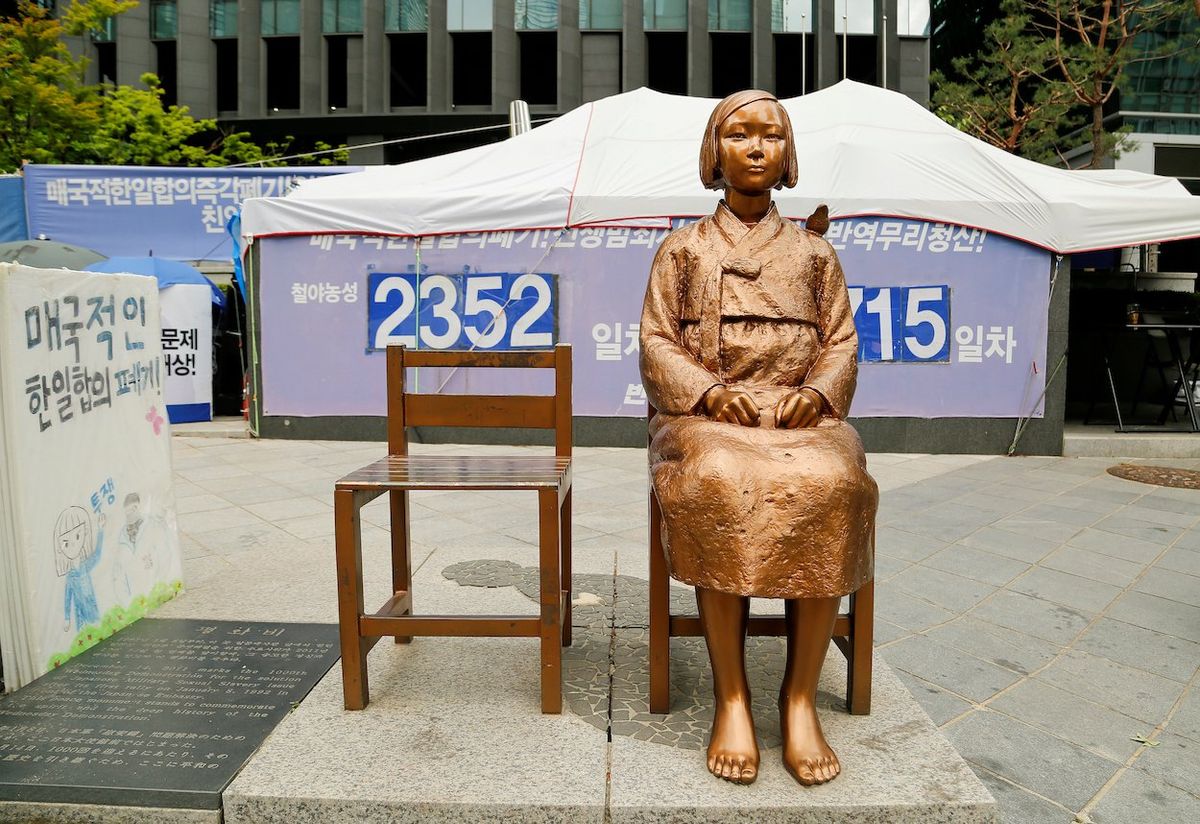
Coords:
pixel 631 159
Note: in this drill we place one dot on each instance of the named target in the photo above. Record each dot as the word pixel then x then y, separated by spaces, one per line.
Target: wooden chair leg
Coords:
pixel 567 586
pixel 348 549
pixel 550 600
pixel 660 616
pixel 862 632
pixel 401 550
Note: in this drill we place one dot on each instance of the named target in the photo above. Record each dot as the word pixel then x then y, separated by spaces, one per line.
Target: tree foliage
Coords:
pixel 49 115
pixel 1001 95
pixel 1094 43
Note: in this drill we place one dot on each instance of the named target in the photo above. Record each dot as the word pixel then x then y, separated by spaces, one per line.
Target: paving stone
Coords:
pixel 945 589
pixel 1176 760
pixel 1099 729
pixel 1184 516
pixel 1019 806
pixel 1171 584
pixel 1026 548
pixel 1052 622
pixel 1070 590
pixel 949 667
pixel 976 564
pixel 1133 528
pixel 1186 720
pixel 1189 539
pixel 1038 528
pixel 905 545
pixel 1061 514
pixel 1102 490
pixel 940 704
pixel 1093 565
pixel 904 610
pixel 1138 797
pixel 1070 500
pixel 1001 646
pixel 1051 767
pixel 1129 691
pixel 1119 546
pixel 1140 648
pixel 886 566
pixel 1181 560
pixel 944 523
pixel 1159 614
pixel 886 632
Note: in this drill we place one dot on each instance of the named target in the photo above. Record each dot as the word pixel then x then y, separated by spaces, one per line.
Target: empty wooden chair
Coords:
pixel 400 473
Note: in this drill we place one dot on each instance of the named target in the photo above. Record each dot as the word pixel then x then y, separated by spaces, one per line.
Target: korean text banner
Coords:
pixel 89 541
pixel 952 321
pixel 12 209
pixel 140 210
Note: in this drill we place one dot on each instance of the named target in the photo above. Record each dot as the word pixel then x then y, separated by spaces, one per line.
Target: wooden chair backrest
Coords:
pixel 405 409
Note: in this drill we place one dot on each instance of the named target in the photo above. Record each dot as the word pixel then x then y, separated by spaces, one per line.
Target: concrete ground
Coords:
pixel 1045 614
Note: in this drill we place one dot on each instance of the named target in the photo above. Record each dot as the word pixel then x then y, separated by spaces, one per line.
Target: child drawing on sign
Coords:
pixel 75 556
pixel 133 568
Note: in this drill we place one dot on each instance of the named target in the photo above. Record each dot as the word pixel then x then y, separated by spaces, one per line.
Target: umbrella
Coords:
pixel 168 272
pixel 48 254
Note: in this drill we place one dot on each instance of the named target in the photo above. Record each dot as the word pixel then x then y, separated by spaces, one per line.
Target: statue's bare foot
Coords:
pixel 806 753
pixel 733 749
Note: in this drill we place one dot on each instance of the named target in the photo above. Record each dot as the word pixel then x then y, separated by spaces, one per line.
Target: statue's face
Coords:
pixel 752 147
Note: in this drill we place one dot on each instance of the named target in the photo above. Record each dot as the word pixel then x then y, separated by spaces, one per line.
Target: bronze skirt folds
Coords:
pixel 771 513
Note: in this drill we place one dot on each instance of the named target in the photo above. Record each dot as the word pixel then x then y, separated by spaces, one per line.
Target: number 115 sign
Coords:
pixel 902 324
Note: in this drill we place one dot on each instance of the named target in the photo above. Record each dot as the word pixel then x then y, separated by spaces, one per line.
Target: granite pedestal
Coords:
pixel 453 734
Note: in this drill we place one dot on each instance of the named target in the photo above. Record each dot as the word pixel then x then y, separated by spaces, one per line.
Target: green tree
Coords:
pixel 1093 45
pixel 49 115
pixel 1003 96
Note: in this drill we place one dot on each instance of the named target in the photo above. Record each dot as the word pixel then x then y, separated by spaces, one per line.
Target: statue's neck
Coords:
pixel 748 207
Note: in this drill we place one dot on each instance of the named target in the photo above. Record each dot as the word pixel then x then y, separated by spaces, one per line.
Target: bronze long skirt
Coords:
pixel 765 512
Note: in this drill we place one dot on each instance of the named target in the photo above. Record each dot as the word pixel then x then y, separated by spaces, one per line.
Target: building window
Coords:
pixel 341 16
pixel 861 57
pixel 167 71
pixel 106 61
pixel 913 18
pixel 107 33
pixel 728 15
pixel 792 16
pixel 469 15
pixel 280 17
pixel 792 76
pixel 227 74
pixel 164 21
pixel 666 61
pixel 664 15
pixel 222 18
pixel 600 14
pixel 283 73
pixel 539 66
pixel 409 69
pixel 406 15
pixel 732 59
pixel 472 58
pixel 536 14
pixel 856 15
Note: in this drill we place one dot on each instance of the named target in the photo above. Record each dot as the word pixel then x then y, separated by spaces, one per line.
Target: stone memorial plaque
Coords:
pixel 163 714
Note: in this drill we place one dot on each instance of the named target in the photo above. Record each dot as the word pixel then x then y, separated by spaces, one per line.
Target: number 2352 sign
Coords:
pixel 461 311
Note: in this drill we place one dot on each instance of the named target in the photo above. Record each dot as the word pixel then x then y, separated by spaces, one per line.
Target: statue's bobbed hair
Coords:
pixel 710 158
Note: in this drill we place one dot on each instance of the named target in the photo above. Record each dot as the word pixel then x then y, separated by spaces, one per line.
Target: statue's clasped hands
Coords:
pixel 796 410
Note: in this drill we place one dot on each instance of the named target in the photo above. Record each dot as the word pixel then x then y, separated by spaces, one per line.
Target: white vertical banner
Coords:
pixel 92 544
pixel 187 350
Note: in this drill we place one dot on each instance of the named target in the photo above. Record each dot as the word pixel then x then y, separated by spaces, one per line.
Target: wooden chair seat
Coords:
pixel 398 474
pixel 461 472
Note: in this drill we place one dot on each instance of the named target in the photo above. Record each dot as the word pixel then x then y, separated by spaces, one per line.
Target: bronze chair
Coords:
pixel 852 632
pixel 399 473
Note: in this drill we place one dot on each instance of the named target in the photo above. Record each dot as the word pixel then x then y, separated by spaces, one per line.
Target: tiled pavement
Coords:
pixel 1043 612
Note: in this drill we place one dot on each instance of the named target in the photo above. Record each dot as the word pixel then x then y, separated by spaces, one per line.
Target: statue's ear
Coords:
pixel 818 221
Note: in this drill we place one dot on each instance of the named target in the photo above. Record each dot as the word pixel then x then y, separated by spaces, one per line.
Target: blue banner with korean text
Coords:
pixel 165 211
pixel 952 321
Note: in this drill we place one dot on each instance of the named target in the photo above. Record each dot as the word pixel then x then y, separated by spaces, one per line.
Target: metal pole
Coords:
pixel 803 56
pixel 885 39
pixel 845 41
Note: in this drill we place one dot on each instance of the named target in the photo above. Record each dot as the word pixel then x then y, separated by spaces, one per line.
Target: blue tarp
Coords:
pixel 12 209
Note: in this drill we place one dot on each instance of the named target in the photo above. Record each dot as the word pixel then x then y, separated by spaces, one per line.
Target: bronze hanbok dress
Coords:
pixel 760 511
